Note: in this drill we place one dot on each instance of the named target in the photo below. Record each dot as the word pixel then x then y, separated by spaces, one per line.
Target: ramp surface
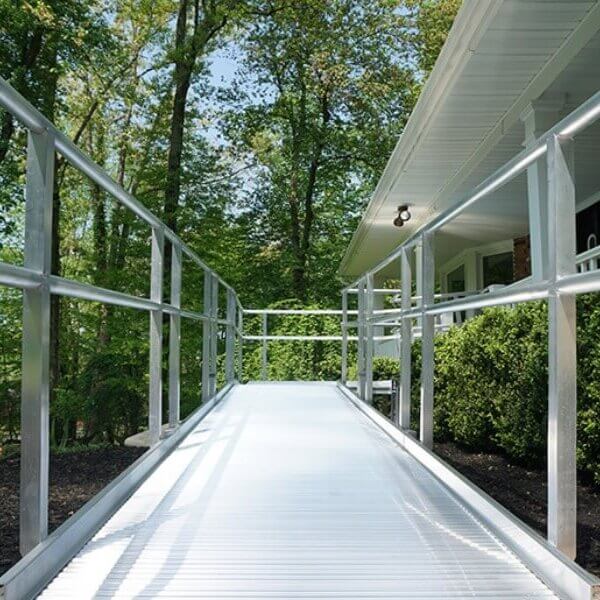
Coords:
pixel 289 491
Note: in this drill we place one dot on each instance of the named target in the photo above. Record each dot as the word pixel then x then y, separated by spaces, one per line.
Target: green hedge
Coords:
pixel 491 383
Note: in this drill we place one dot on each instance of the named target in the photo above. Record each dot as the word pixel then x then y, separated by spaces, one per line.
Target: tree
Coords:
pixel 327 89
pixel 191 42
pixel 431 23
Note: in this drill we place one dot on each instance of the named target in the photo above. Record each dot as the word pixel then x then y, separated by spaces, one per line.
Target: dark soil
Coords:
pixel 523 492
pixel 75 477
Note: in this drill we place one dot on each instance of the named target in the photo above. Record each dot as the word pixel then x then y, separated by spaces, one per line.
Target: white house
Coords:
pixel 508 72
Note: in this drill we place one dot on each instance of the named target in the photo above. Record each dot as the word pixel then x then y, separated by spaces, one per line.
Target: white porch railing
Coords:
pixel 588 260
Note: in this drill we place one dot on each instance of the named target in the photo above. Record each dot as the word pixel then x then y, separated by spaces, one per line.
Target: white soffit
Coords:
pixel 500 55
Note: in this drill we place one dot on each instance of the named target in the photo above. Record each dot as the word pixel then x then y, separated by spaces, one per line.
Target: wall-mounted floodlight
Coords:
pixel 403 215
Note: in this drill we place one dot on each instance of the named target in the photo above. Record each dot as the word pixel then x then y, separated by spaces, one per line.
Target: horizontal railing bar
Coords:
pixel 577 120
pixel 580 283
pixel 312 338
pixel 85 291
pixel 19 277
pixel 376 291
pixel 529 293
pixel 15 104
pixel 588 255
pixel 508 295
pixel 294 338
pixel 294 311
pixel 189 314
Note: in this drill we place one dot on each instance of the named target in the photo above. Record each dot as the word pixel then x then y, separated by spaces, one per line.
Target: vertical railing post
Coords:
pixel 405 342
pixel 240 356
pixel 369 342
pixel 427 340
pixel 175 338
pixel 419 279
pixel 214 335
pixel 562 354
pixel 264 370
pixel 361 339
pixel 156 337
pixel 206 336
pixel 35 385
pixel 230 339
pixel 344 373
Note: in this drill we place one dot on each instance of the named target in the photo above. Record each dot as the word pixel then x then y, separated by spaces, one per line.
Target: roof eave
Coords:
pixel 469 25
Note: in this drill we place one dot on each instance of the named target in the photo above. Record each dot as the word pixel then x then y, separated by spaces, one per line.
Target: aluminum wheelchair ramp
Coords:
pixel 289 491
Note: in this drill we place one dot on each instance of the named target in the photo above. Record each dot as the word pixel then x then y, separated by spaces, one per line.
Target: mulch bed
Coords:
pixel 75 477
pixel 523 492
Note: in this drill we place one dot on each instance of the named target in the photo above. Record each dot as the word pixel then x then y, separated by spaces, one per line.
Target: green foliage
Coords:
pixel 432 20
pixel 491 383
pixel 325 89
pixel 307 122
pixel 115 389
pixel 588 388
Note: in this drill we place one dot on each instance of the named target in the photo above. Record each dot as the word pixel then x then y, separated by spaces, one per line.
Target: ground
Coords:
pixel 74 478
pixel 523 491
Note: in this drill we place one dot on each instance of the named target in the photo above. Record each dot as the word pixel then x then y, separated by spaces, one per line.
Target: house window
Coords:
pixel 498 269
pixel 455 280
pixel 588 227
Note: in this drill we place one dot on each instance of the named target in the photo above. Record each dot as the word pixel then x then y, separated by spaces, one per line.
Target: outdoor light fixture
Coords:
pixel 403 215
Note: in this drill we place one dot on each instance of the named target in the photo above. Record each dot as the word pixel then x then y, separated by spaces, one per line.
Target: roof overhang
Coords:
pixel 499 57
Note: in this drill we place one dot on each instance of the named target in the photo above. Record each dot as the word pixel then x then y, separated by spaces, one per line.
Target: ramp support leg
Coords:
pixel 405 343
pixel 562 348
pixel 35 386
pixel 206 336
pixel 156 337
pixel 175 339
pixel 344 373
pixel 264 370
pixel 427 341
pixel 369 342
pixel 230 339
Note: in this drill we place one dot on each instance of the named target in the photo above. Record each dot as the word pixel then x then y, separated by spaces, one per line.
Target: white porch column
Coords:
pixel 539 116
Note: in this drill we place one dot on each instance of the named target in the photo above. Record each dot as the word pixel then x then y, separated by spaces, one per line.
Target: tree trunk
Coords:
pixel 30 51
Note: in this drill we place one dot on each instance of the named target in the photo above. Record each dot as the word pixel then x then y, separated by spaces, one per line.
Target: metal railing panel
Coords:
pixel 559 286
pixel 38 285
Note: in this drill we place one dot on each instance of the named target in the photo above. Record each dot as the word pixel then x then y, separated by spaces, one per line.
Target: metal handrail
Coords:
pixel 555 277
pixel 39 284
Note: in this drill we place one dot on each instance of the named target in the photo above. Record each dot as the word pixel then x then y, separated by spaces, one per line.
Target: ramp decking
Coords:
pixel 289 491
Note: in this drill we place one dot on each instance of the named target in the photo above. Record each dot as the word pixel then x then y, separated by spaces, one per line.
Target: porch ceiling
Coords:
pixel 500 55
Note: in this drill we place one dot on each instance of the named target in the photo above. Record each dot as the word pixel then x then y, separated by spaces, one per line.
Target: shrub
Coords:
pixel 491 383
pixel 588 389
pixel 115 388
